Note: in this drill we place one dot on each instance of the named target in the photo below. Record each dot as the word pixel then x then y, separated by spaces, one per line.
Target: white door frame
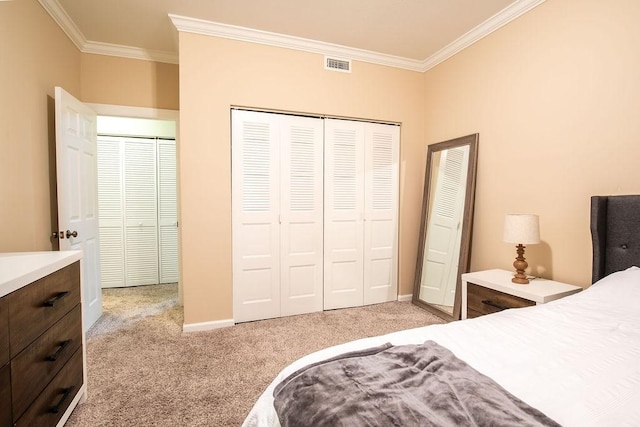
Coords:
pixel 157 114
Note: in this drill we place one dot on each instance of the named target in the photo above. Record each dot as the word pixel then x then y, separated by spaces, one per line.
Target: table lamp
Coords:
pixel 521 229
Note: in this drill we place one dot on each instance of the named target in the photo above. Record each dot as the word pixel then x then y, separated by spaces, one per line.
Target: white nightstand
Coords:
pixel 489 291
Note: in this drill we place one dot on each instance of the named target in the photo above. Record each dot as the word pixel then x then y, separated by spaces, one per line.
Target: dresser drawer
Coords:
pixel 5 396
pixel 37 306
pixel 50 405
pixel 481 301
pixel 4 331
pixel 42 360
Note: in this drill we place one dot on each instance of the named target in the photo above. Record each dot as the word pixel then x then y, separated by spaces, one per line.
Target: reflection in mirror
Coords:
pixel 445 231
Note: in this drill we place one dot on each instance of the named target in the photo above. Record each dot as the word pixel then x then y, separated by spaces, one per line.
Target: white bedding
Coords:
pixel 576 359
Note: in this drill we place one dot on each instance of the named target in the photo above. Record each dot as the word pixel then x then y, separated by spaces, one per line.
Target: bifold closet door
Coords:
pixel 140 211
pixel 276 215
pixel 111 212
pixel 381 201
pixel 361 210
pixel 137 204
pixel 301 225
pixel 344 213
pixel 255 201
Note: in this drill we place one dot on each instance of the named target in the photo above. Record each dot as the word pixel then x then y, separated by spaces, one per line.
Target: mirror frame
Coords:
pixel 467 223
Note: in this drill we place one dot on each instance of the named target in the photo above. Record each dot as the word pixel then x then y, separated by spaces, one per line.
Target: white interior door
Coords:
pixel 76 168
pixel 344 214
pixel 381 213
pixel 301 183
pixel 442 243
pixel 167 211
pixel 255 200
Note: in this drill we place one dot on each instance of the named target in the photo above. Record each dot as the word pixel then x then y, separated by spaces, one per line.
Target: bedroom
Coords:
pixel 554 96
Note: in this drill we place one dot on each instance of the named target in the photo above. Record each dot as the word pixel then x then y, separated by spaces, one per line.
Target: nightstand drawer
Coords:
pixel 481 301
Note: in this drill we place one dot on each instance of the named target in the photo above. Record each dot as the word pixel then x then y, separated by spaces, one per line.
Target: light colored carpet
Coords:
pixel 143 371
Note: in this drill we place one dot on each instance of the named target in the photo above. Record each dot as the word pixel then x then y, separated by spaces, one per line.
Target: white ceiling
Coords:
pixel 415 30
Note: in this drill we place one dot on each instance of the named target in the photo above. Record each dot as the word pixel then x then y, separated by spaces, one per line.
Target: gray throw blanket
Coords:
pixel 408 385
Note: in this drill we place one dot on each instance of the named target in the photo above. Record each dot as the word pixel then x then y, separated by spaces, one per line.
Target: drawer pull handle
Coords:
pixel 52 301
pixel 64 344
pixel 495 305
pixel 65 394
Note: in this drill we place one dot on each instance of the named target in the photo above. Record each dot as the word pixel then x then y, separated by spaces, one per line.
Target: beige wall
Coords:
pixel 35 56
pixel 131 82
pixel 218 73
pixel 555 96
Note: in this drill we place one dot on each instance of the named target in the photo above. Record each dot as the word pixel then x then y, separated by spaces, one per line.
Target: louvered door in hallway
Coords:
pixel 137 208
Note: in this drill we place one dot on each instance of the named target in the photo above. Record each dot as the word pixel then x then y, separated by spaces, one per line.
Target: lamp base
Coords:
pixel 520 265
pixel 520 279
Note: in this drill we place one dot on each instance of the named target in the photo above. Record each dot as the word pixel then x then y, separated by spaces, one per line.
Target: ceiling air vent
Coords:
pixel 335 64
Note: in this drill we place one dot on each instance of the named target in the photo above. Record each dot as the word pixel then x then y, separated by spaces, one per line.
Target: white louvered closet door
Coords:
pixel 344 213
pixel 255 200
pixel 141 211
pixel 381 213
pixel 111 211
pixel 301 229
pixel 167 211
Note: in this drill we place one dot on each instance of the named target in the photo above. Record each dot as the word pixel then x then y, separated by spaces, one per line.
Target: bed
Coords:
pixel 576 359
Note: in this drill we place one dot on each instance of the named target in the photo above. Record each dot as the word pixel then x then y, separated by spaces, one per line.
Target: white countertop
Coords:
pixel 18 269
pixel 539 290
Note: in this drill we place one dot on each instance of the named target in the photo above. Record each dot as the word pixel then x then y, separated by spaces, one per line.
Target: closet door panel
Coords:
pixel 111 210
pixel 167 212
pixel 301 229
pixel 255 203
pixel 381 213
pixel 141 211
pixel 344 213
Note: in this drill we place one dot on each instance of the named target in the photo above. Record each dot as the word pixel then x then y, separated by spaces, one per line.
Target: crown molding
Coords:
pixel 60 16
pixel 200 26
pixel 215 29
pixel 131 52
pixel 497 21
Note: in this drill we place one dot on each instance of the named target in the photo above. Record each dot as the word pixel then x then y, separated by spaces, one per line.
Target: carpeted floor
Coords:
pixel 143 371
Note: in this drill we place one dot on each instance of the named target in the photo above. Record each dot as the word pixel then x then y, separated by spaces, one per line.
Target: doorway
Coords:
pixel 145 168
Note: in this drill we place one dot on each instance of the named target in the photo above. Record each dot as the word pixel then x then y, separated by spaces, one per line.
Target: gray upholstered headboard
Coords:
pixel 615 230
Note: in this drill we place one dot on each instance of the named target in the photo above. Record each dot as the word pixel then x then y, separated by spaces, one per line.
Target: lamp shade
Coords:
pixel 521 229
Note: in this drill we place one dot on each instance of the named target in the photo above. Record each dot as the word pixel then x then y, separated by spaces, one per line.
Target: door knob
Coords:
pixel 70 234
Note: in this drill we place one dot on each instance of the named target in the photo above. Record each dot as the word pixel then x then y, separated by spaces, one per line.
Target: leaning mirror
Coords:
pixel 445 229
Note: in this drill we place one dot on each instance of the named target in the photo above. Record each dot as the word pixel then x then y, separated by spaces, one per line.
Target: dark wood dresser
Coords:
pixel 42 363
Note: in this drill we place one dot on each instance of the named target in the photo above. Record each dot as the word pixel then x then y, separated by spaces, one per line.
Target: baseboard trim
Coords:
pixel 207 326
pixel 404 298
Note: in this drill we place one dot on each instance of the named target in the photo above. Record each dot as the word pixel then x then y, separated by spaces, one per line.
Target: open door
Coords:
pixel 76 168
